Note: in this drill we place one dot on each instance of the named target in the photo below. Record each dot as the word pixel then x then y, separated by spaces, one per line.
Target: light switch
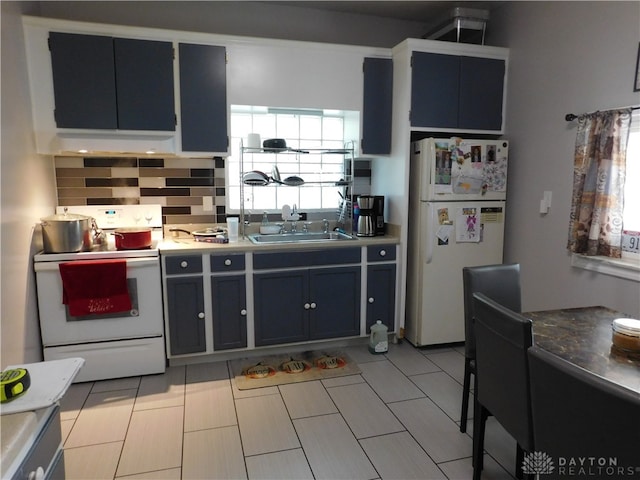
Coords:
pixel 545 203
pixel 207 204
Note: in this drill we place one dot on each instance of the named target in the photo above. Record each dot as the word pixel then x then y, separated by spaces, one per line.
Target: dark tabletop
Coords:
pixel 583 337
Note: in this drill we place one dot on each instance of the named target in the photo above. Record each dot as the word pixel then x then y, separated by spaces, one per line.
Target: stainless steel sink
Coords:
pixel 299 237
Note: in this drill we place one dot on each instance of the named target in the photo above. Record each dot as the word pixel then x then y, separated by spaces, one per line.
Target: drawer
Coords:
pixel 183 264
pixel 45 449
pixel 381 253
pixel 227 263
pixel 306 258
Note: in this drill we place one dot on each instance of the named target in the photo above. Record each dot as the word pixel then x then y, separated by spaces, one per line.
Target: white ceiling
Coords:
pixel 415 10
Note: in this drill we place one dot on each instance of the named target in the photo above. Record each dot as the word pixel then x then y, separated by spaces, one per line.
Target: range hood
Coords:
pixel 73 142
pixel 462 25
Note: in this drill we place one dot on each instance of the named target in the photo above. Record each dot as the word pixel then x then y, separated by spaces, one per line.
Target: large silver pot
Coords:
pixel 66 232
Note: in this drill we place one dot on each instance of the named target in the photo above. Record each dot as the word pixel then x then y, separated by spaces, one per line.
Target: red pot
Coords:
pixel 133 238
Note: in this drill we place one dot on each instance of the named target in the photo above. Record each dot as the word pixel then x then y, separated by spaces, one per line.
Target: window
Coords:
pixel 631 218
pixel 629 265
pixel 302 129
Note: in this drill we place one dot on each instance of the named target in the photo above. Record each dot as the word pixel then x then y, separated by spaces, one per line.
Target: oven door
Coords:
pixel 144 320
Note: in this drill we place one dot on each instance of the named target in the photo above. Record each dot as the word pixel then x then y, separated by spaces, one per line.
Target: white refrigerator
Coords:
pixel 457 198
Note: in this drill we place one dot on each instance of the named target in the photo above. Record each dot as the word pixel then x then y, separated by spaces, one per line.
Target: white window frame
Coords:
pixel 291 164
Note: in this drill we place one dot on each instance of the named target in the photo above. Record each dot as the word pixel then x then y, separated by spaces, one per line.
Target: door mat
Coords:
pixel 267 371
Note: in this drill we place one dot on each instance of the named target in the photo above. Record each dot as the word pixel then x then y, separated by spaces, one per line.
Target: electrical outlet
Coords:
pixel 207 204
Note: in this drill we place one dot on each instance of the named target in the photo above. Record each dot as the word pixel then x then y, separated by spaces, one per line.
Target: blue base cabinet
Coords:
pixel 279 300
pixel 381 285
pixel 229 301
pixel 335 302
pixel 298 300
pixel 185 304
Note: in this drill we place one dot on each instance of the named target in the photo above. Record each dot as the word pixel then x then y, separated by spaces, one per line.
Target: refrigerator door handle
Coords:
pixel 430 234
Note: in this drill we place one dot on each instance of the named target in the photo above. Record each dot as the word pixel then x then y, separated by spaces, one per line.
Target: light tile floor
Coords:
pixel 398 419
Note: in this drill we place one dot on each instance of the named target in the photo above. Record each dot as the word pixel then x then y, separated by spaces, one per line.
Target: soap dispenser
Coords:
pixel 378 341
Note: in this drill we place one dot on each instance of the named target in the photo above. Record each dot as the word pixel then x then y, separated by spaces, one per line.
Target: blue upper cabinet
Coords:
pixel 434 90
pixel 144 84
pixel 456 92
pixel 481 90
pixel 83 81
pixel 104 83
pixel 203 98
pixel 376 106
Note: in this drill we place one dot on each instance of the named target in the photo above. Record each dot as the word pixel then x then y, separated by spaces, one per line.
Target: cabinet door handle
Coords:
pixel 243 312
pixel 184 264
pixel 313 305
pixel 383 253
pixel 201 315
pixel 307 306
pixel 370 299
pixel 227 262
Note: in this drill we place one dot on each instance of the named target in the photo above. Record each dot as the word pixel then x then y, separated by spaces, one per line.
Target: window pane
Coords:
pixel 301 131
pixel 332 128
pixel 631 219
pixel 310 127
pixel 288 126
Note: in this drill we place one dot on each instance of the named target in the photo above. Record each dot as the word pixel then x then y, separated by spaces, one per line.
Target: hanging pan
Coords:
pixel 255 178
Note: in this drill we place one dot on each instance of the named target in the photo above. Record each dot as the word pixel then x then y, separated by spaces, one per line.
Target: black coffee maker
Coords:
pixel 366 220
pixel 378 214
pixel 371 219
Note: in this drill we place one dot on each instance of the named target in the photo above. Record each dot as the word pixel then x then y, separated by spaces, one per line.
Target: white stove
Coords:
pixel 116 344
pixel 108 218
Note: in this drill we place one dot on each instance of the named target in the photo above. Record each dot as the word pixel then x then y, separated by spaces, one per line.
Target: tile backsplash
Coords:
pixel 178 184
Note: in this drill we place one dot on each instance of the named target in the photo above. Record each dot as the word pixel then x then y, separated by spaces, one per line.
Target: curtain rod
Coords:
pixel 570 117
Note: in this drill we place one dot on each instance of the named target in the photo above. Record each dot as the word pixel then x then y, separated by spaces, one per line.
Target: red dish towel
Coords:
pixel 95 287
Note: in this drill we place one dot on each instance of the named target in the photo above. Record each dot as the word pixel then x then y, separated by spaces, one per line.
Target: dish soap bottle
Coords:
pixel 378 341
pixel 265 218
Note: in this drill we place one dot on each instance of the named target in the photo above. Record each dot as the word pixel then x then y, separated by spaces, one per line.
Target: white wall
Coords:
pixel 566 57
pixel 27 193
pixel 254 19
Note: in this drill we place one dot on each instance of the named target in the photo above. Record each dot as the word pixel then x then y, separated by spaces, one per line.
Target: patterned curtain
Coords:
pixel 595 226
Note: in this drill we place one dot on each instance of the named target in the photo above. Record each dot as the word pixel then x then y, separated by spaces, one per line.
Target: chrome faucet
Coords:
pixel 325 225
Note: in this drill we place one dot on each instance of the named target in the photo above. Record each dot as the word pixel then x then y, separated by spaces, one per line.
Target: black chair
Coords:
pixel 502 339
pixel 577 414
pixel 500 283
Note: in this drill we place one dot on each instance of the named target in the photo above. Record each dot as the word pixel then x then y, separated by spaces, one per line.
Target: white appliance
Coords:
pixel 457 198
pixel 114 345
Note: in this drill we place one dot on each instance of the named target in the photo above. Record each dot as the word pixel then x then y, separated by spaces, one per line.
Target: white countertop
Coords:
pixel 184 243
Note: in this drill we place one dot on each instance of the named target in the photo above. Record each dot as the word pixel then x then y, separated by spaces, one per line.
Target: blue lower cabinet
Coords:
pixel 381 294
pixel 335 302
pixel 229 301
pixel 185 301
pixel 279 298
pixel 306 304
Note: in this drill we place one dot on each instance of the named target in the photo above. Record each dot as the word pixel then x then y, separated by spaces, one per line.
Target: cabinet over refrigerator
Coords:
pixel 457 199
